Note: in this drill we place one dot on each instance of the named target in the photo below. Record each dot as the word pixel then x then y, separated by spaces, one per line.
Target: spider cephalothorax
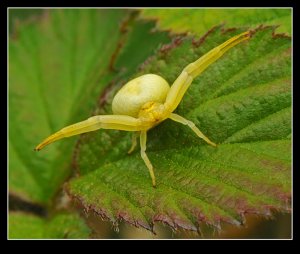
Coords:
pixel 146 101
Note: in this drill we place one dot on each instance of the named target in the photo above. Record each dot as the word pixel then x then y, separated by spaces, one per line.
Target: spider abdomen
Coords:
pixel 137 92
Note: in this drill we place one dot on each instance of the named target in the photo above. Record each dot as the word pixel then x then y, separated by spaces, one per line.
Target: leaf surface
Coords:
pixel 198 21
pixel 242 102
pixel 28 226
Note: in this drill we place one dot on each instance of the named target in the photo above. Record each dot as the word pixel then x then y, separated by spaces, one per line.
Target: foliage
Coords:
pixel 28 226
pixel 242 102
pixel 66 64
pixel 198 21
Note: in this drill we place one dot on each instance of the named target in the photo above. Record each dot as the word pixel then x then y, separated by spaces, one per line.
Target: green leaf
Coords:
pixel 198 21
pixel 242 102
pixel 28 226
pixel 17 15
pixel 58 65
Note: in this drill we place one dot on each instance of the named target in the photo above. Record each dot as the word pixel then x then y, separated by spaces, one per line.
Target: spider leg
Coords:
pixel 117 122
pixel 134 141
pixel 194 69
pixel 143 141
pixel 180 119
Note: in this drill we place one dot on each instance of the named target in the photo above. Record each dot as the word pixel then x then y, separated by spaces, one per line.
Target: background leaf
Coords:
pixel 240 102
pixel 58 65
pixel 17 15
pixel 28 226
pixel 198 21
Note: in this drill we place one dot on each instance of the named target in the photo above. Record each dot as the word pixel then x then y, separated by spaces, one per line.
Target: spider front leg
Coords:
pixel 116 122
pixel 194 69
pixel 180 119
pixel 143 141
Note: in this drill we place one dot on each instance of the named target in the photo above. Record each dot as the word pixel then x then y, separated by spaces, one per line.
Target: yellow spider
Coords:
pixel 146 101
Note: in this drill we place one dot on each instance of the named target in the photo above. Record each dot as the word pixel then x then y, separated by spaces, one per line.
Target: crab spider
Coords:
pixel 146 101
